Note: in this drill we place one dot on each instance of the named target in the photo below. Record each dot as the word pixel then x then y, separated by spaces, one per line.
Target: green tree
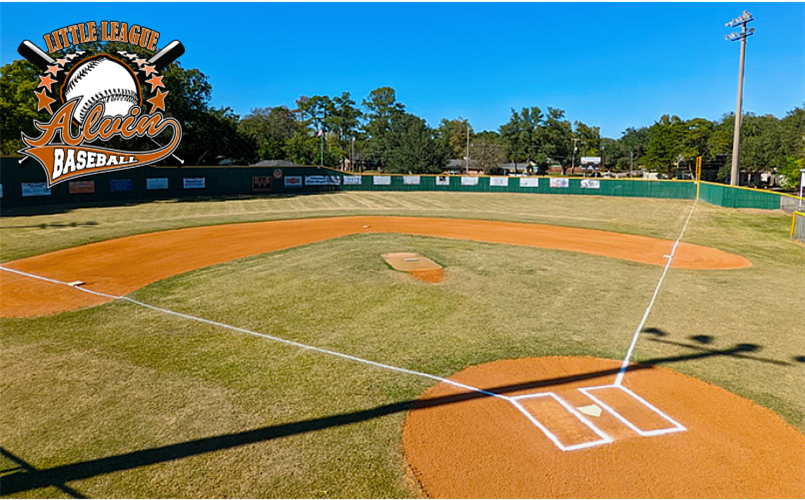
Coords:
pixel 634 142
pixel 344 121
pixel 524 134
pixel 557 143
pixel 270 129
pixel 666 142
pixel 18 104
pixel 489 151
pixel 453 135
pixel 381 108
pixel 589 139
pixel 413 148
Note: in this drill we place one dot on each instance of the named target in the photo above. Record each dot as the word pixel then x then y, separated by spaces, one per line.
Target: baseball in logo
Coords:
pixel 98 97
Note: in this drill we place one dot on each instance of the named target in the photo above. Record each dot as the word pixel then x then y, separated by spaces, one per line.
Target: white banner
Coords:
pixel 591 159
pixel 353 180
pixel 194 182
pixel 35 189
pixel 590 184
pixel 322 180
pixel 560 183
pixel 381 180
pixel 156 183
pixel 411 180
pixel 529 182
pixel 442 180
pixel 469 181
pixel 293 181
pixel 499 181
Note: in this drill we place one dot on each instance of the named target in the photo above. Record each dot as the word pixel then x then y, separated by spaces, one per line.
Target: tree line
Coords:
pixel 380 134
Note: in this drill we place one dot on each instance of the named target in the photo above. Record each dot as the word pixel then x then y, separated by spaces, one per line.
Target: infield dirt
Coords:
pixel 461 444
pixel 120 266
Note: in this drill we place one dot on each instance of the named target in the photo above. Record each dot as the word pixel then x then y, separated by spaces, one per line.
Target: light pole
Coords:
pixel 742 21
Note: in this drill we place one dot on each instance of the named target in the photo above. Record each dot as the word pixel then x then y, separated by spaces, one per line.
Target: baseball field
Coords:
pixel 262 347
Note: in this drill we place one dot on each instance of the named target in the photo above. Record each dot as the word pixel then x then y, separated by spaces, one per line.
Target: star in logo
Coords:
pixel 140 62
pixel 61 62
pixel 158 101
pixel 71 56
pixel 148 70
pixel 46 81
pixel 155 82
pixel 53 70
pixel 131 57
pixel 44 101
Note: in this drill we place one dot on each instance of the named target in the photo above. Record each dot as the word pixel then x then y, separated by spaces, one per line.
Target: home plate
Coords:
pixel 592 410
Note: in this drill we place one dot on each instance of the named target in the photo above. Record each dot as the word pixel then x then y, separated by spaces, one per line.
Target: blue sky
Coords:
pixel 610 65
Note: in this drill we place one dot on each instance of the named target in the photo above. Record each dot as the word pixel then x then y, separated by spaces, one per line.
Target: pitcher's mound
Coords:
pixel 416 265
pixel 576 435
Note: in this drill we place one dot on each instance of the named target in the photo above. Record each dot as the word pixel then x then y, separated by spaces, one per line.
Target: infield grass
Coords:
pixel 124 399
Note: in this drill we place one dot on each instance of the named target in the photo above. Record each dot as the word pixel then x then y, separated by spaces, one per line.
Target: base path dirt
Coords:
pixel 462 444
pixel 120 266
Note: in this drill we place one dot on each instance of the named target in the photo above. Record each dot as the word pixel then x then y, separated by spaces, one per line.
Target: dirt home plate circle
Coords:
pixel 463 444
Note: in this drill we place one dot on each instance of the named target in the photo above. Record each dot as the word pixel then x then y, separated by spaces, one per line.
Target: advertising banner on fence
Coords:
pixel 499 181
pixel 81 187
pixel 35 189
pixel 353 180
pixel 442 180
pixel 293 181
pixel 590 184
pixel 156 183
pixel 194 182
pixel 529 182
pixel 261 183
pixel 469 181
pixel 411 180
pixel 322 180
pixel 560 183
pixel 120 185
pixel 381 180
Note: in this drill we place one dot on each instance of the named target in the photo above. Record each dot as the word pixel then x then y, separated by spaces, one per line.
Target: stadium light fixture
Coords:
pixel 742 21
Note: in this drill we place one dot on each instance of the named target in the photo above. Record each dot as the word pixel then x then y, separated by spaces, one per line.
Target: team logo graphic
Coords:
pixel 98 97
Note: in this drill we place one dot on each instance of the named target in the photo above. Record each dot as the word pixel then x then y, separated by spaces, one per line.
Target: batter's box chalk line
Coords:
pixel 603 437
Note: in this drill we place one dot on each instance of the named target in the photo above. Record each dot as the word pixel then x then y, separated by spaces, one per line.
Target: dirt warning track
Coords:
pixel 122 265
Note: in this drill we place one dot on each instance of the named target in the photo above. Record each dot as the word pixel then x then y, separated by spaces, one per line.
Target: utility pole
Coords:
pixel 742 21
pixel 573 161
pixel 631 161
pixel 468 146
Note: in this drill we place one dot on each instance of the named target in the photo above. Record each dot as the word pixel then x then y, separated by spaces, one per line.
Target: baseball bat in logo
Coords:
pixel 102 95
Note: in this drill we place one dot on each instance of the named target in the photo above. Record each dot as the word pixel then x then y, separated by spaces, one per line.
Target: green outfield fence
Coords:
pixel 22 185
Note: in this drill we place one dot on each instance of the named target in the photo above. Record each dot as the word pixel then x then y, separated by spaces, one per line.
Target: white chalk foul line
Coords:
pixel 639 329
pixel 605 439
pixel 263 335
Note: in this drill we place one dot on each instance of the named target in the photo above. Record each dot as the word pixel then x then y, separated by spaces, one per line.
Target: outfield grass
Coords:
pixel 117 379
